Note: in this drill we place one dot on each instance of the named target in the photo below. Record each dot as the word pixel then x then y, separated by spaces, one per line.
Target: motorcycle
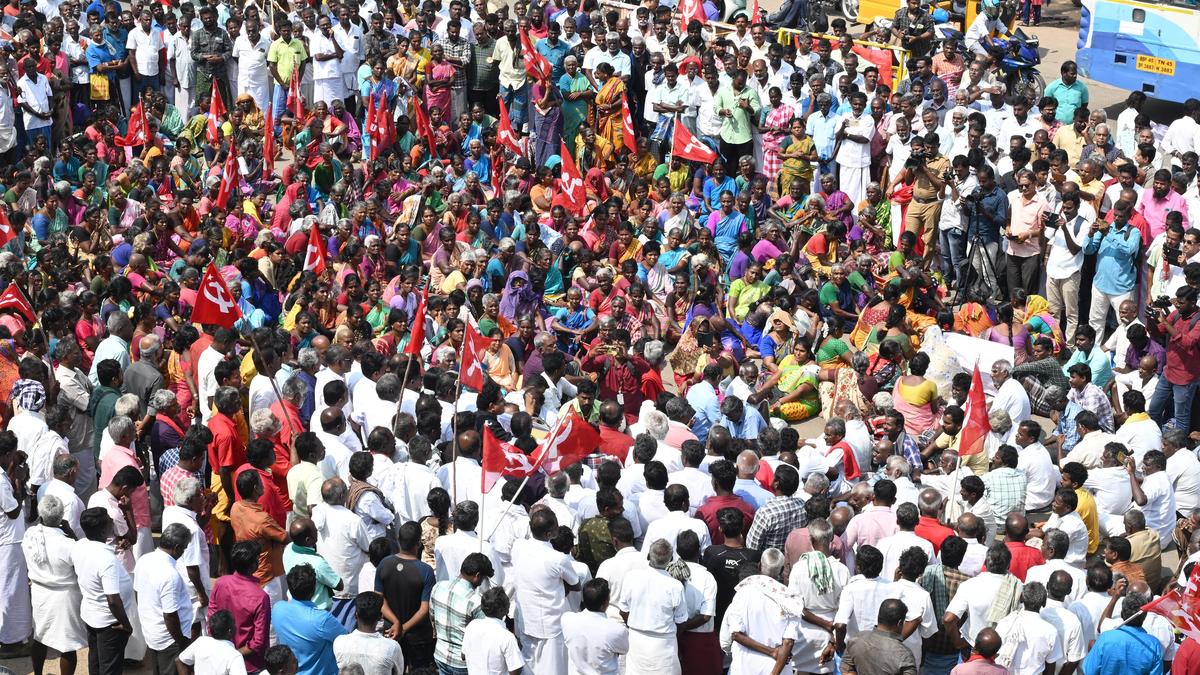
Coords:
pixel 1017 57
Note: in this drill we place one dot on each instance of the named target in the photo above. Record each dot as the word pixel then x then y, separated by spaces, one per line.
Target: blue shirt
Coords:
pixel 752 423
pixel 989 216
pixel 309 633
pixel 703 399
pixel 1128 650
pixel 1066 426
pixel 1116 259
pixel 1098 361
pixel 555 54
pixel 1070 98
pixel 823 130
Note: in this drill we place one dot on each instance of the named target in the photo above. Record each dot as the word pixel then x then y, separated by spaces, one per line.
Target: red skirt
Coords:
pixel 700 654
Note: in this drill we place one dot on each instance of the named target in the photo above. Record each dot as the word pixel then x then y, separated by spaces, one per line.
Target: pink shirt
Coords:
pixel 118 458
pixel 1026 219
pixel 1155 210
pixel 977 665
pixel 869 527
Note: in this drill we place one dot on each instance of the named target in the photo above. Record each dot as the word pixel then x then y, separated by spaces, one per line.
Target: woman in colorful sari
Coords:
pixel 796 384
pixel 834 350
pixel 775 120
pixel 745 293
pixel 726 224
pixel 1002 331
pixel 797 153
pixel 610 102
pixel 438 74
pixel 573 322
pixel 837 203
pixel 917 397
pixel 972 319
pixel 1039 322
pixel 777 340
pixel 499 361
pixel 688 352
pixel 577 94
pixel 546 116
pixel 518 298
pixel 865 335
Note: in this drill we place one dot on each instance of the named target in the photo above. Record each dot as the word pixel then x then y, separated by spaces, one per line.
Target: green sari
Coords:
pixel 172 122
pixel 574 112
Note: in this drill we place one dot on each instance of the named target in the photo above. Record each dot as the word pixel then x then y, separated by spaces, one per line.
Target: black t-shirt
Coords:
pixel 723 563
pixel 405 584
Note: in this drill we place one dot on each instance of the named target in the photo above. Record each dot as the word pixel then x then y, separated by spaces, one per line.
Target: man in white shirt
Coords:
pixel 595 641
pixel 463 478
pixel 858 605
pixel 327 52
pixel 1033 459
pixel 1055 545
pixel 452 549
pixel 854 152
pixel 1010 395
pixel 1030 643
pixel 626 559
pixel 329 425
pixel 101 576
pixel 214 654
pixel 1153 494
pixel 342 540
pixel 1076 637
pixel 262 391
pixel 907 517
pixel 1184 470
pixel 760 614
pixel 542 580
pixel 1064 517
pixel 1138 433
pixel 696 480
pixel 65 467
pixel 1067 238
pixel 366 646
pixel 676 520
pixel 145 42
pixel 653 603
pixel 969 608
pixel 164 608
pixel 193 563
pixel 555 499
pixel 488 646
pixel 206 366
pixel 409 482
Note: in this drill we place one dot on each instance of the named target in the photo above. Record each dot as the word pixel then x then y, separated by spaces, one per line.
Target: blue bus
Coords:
pixel 1152 47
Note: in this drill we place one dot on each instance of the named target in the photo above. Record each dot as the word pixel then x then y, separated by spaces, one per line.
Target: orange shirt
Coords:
pixel 251 523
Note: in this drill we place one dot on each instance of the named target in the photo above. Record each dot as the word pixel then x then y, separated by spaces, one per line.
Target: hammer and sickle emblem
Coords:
pixel 214 292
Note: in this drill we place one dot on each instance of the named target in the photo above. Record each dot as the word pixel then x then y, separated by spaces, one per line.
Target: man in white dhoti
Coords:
pixel 16 622
pixel 763 613
pixel 250 50
pixel 652 604
pixel 543 578
pixel 854 149
pixel 818 579
pixel 62 487
pixel 327 71
pixel 54 589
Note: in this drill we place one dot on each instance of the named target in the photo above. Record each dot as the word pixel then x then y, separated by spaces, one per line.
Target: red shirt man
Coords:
pixel 933 532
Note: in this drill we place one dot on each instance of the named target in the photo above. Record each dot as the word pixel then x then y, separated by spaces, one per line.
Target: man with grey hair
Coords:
pixel 54 593
pixel 1030 643
pixel 342 540
pixel 338 361
pixel 188 495
pixel 898 470
pixel 62 487
pixel 1010 397
pixel 379 403
pixel 119 456
pixel 144 377
pixel 1055 544
pixel 75 390
pixel 164 608
pixel 858 435
pixel 126 406
pixel 115 346
pixel 290 410
pixel 556 491
pixel 652 603
pixel 762 619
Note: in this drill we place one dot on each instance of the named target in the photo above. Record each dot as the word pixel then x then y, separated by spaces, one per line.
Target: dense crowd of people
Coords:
pixel 443 240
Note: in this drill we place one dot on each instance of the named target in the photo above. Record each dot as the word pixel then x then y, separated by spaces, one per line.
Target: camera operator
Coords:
pixel 1065 237
pixel 912 28
pixel 1116 246
pixel 952 223
pixel 1178 383
pixel 1024 235
pixel 987 216
pixel 925 168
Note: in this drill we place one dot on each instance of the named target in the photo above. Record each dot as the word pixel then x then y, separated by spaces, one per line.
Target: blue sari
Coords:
pixel 725 229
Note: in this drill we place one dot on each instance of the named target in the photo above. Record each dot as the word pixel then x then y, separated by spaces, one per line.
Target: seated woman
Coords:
pixel 780 331
pixel 499 361
pixel 837 298
pixel 794 386
pixel 745 293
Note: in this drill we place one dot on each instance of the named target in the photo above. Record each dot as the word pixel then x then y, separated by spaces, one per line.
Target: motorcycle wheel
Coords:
pixel 850 10
pixel 1030 86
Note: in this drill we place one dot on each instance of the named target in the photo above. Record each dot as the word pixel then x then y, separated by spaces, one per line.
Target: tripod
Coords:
pixel 976 245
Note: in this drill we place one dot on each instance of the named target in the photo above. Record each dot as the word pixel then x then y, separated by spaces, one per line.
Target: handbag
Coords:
pixel 99 86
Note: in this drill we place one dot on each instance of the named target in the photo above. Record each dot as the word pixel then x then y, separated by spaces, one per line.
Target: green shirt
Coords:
pixel 295 554
pixel 736 129
pixel 595 543
pixel 285 56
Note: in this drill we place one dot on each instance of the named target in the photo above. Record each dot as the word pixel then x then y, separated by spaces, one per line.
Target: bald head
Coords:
pixel 987 643
pixel 334 492
pixel 747 464
pixel 303 531
pixel 1016 526
pixel 333 421
pixel 970 527
pixel 839 518
pixel 468 443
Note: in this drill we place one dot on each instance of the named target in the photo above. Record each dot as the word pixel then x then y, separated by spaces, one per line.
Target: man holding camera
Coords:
pixel 1178 383
pixel 928 169
pixel 987 216
pixel 1066 235
pixel 1023 237
pixel 912 28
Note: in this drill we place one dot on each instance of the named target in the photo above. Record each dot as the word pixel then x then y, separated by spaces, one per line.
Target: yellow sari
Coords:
pixel 608 125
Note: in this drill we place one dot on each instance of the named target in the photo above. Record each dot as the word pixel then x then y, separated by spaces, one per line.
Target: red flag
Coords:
pixel 498 170
pixel 502 459
pixel 382 115
pixel 627 126
pixel 12 298
pixel 416 335
pixel 880 58
pixel 691 9
pixel 975 419
pixel 314 255
pixel 570 187
pixel 295 102
pixel 536 65
pixel 372 126
pixel 1180 609
pixel 269 143
pixel 472 368
pixel 569 441
pixel 214 303
pixel 686 146
pixel 505 135
pixel 755 14
pixel 7 233
pixel 216 110
pixel 424 128
pixel 229 179
pixel 138 131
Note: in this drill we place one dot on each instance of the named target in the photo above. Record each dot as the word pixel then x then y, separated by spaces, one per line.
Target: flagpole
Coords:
pixel 954 490
pixel 520 488
pixel 275 387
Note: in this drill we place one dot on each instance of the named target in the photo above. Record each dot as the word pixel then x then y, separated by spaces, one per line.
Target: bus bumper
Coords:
pixel 1120 70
